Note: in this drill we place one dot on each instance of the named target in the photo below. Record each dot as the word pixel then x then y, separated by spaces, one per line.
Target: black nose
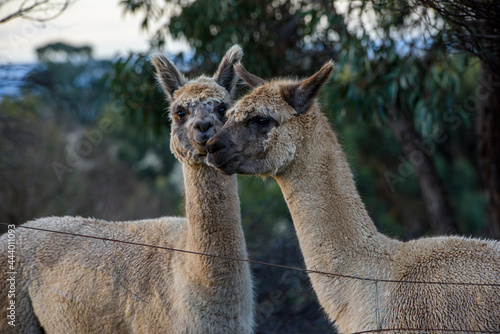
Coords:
pixel 203 125
pixel 214 145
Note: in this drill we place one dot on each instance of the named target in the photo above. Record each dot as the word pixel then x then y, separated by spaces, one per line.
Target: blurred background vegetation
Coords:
pixel 414 100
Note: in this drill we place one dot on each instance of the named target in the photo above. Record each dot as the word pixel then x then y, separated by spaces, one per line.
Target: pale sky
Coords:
pixel 97 23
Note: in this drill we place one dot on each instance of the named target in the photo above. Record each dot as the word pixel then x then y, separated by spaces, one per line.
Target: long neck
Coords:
pixel 216 292
pixel 331 221
pixel 335 233
pixel 213 214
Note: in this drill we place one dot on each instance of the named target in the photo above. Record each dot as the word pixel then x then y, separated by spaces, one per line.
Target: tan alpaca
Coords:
pixel 278 130
pixel 76 285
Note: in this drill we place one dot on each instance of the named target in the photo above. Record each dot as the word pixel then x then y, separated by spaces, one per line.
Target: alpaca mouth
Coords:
pixel 214 161
pixel 225 164
pixel 200 142
pixel 201 148
pixel 202 138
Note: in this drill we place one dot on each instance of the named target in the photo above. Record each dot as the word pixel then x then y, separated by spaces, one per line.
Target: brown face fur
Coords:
pixel 198 111
pixel 197 107
pixel 253 141
pixel 265 128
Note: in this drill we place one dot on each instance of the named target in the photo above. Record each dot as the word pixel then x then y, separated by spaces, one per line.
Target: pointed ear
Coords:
pixel 301 96
pixel 167 75
pixel 252 80
pixel 225 75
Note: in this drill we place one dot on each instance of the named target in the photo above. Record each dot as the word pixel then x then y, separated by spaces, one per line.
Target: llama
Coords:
pixel 278 130
pixel 67 284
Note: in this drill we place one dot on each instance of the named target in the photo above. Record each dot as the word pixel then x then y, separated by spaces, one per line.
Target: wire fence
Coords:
pixel 304 270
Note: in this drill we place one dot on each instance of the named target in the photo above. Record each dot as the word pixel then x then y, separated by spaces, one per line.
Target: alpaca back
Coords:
pixel 63 278
pixel 451 306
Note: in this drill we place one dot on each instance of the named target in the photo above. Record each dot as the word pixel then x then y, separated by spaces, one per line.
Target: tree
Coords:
pixel 273 34
pixel 63 78
pixel 35 10
pixel 402 78
pixel 136 94
pixel 474 26
pixel 62 52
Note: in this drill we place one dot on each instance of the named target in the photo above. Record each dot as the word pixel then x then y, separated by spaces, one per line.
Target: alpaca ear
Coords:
pixel 167 75
pixel 252 80
pixel 225 75
pixel 301 96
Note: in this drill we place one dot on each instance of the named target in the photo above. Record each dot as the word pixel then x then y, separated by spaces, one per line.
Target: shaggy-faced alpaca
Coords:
pixel 278 130
pixel 68 284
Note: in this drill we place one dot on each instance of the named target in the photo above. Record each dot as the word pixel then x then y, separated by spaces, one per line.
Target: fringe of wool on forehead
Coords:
pixel 201 90
pixel 263 101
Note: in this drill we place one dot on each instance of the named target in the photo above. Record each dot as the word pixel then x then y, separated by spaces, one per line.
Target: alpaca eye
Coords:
pixel 221 109
pixel 261 121
pixel 181 113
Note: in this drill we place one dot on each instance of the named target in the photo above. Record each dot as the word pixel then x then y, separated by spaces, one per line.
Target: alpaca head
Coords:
pixel 265 128
pixel 197 107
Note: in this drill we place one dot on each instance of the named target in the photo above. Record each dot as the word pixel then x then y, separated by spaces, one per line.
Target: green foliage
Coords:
pixel 364 145
pixel 470 201
pixel 265 29
pixel 394 62
pixel 273 34
pixel 422 88
pixel 138 97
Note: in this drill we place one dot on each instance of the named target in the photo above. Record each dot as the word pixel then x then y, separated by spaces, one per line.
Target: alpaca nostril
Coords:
pixel 203 126
pixel 214 145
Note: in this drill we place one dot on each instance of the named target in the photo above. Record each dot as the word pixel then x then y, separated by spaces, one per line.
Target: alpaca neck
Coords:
pixel 213 215
pixel 332 224
pixel 213 293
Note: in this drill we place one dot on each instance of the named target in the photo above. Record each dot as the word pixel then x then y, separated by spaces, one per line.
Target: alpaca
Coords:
pixel 278 130
pixel 68 284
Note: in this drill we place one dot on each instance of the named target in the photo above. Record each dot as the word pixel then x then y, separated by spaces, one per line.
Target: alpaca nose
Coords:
pixel 214 145
pixel 203 126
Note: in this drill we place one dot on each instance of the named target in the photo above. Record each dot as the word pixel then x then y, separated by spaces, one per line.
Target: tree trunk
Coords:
pixel 441 218
pixel 488 139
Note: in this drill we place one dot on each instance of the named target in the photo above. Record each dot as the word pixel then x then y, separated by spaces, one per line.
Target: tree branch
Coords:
pixel 37 6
